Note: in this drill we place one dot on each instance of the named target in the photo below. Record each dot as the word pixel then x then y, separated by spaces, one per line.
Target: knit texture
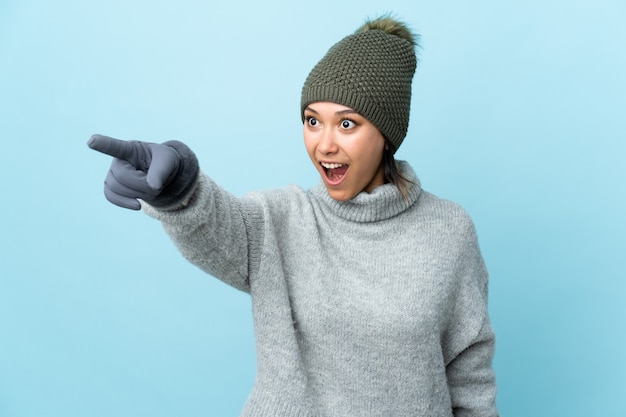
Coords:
pixel 370 72
pixel 369 307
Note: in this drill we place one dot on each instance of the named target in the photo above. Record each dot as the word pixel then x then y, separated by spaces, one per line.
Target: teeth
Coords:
pixel 331 166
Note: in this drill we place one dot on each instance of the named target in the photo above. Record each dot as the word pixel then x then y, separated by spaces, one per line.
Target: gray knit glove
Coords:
pixel 160 175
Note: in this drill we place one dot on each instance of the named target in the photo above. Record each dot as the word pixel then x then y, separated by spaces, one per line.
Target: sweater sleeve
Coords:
pixel 469 342
pixel 216 231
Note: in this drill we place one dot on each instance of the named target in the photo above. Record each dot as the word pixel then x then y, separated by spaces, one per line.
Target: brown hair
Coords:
pixel 392 173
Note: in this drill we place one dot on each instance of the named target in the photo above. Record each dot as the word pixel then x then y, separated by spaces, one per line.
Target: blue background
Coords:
pixel 517 113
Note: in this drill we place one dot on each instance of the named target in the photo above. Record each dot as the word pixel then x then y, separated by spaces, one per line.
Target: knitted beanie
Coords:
pixel 371 72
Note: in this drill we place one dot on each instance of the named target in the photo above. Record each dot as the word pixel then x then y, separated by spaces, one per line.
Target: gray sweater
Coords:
pixel 370 307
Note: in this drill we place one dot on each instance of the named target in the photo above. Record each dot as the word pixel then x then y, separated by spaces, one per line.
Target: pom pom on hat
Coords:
pixel 370 71
pixel 390 26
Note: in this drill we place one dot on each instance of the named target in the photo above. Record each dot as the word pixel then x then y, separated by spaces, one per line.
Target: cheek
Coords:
pixel 374 150
pixel 309 145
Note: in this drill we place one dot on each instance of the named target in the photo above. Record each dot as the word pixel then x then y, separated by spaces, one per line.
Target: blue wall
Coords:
pixel 518 114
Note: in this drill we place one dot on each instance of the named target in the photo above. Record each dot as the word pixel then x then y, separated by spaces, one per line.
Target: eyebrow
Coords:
pixel 339 113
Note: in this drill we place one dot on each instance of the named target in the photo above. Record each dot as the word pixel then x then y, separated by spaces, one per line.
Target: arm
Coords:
pixel 212 228
pixel 469 341
pixel 215 231
pixel 471 379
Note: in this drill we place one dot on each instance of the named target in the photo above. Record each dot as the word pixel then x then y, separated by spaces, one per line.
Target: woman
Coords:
pixel 369 294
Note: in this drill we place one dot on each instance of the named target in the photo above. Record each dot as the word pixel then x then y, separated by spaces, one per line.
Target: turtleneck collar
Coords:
pixel 382 203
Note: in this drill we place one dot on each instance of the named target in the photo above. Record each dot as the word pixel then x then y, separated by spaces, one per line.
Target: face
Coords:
pixel 345 147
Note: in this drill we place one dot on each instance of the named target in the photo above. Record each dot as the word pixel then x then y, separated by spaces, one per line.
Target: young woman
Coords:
pixel 369 294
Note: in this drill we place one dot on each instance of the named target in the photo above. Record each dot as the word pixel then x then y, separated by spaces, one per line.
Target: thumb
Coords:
pixel 164 166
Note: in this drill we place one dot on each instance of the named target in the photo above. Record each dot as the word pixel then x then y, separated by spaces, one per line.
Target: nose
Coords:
pixel 328 143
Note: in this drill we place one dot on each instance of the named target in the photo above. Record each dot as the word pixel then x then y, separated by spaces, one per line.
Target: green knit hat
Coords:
pixel 371 72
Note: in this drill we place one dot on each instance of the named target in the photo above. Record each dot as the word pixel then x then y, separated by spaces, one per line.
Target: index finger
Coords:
pixel 116 148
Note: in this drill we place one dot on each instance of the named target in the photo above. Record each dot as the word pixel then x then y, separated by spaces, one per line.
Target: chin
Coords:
pixel 339 196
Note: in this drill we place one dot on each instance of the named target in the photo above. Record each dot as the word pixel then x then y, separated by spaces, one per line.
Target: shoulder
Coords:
pixel 444 211
pixel 431 206
pixel 278 195
pixel 443 224
pixel 278 201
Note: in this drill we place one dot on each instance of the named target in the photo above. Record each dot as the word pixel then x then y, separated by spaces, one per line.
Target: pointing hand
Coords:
pixel 157 174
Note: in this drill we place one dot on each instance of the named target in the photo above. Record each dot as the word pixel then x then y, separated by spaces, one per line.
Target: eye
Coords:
pixel 312 121
pixel 347 124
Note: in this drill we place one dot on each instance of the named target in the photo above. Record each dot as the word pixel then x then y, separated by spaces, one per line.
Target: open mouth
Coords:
pixel 334 172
